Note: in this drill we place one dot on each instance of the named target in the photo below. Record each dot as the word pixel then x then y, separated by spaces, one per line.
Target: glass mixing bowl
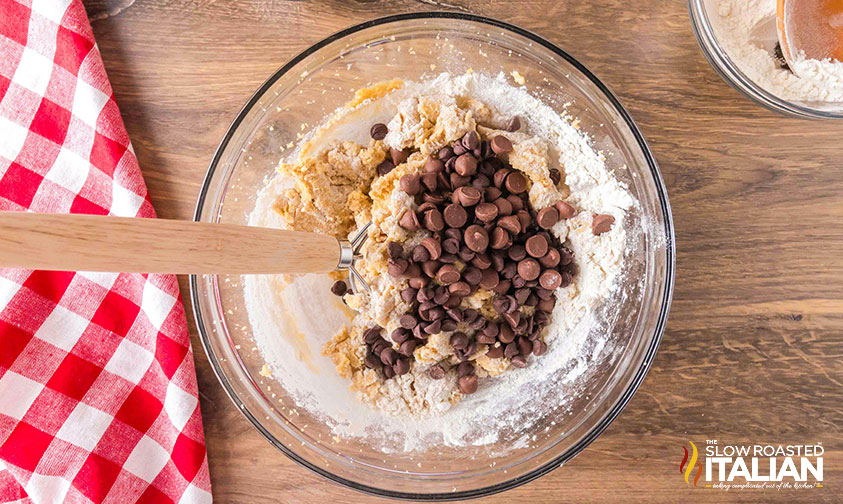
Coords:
pixel 706 33
pixel 314 84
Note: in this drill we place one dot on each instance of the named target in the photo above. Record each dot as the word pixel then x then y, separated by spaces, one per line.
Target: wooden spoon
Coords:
pixel 813 27
pixel 131 245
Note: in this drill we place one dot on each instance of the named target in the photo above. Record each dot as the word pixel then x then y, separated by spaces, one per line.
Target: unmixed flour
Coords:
pixel 747 31
pixel 514 402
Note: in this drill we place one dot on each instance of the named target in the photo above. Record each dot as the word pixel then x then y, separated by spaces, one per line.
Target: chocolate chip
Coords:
pixel 420 254
pixel 514 124
pixel 468 196
pixel 454 233
pixel 546 305
pixel 448 258
pixel 409 294
pixel 400 335
pixel 459 340
pixel 518 282
pixel 471 141
pixel 494 353
pixel 476 238
pixel 503 205
pixel 408 347
pixel 456 314
pixel 517 252
pixel 433 220
pixel 434 248
pixel 529 269
pixel 372 334
pixel 433 198
pixel 525 346
pixel 465 368
pixel 459 148
pixel 433 165
pixel 500 239
pixel 413 271
pixel 408 321
pixel 555 176
pixel 459 289
pixel 402 366
pixel 430 268
pixel 511 350
pixel 550 279
pixel 448 325
pixel 429 180
pixel 468 384
pixel 566 211
pixel 466 165
pixel 521 295
pixel 445 153
pixel 499 178
pixel 448 274
pixel 501 145
pixel 489 279
pixel 509 270
pixel 398 156
pixel 388 372
pixel 539 348
pixel 506 334
pixel 510 223
pixel 466 254
pixel 451 245
pixel 410 183
pixel 437 372
pixel 524 219
pixel 566 257
pixel 456 181
pixel 409 220
pixel 516 202
pixel 339 288
pixel 566 279
pixel 547 217
pixel 394 249
pixel 601 224
pixel 550 259
pixel 519 361
pixel 492 193
pixel 388 356
pixel 472 276
pixel 481 261
pixel 516 183
pixel 385 167
pixel 455 215
pixel 486 212
pixel 513 319
pixel 433 327
pixel 536 246
pixel 378 131
pixel 397 267
pixel 372 361
pixel 486 339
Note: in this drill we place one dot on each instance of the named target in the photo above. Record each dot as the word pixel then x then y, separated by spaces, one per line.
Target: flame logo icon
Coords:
pixel 686 470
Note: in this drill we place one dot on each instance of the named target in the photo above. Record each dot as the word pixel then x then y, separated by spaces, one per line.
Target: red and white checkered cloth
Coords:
pixel 98 397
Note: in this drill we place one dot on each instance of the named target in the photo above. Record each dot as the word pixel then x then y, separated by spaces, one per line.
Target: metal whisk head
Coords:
pixel 350 252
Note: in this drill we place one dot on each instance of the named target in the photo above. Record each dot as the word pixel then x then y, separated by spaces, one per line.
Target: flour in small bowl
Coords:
pixel 746 29
pixel 507 404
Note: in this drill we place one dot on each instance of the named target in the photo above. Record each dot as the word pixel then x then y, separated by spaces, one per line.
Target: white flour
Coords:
pixel 513 402
pixel 747 31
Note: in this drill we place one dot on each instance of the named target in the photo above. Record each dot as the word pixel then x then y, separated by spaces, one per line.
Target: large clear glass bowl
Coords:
pixel 321 79
pixel 702 12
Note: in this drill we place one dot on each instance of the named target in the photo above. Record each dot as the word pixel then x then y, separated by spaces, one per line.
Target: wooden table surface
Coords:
pixel 752 350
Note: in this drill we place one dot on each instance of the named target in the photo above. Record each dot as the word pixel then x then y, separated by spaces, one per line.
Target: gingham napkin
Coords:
pixel 98 398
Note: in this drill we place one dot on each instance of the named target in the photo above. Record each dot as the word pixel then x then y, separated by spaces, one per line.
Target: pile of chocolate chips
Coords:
pixel 484 234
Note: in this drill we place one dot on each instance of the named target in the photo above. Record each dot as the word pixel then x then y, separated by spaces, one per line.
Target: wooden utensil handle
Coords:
pixel 119 244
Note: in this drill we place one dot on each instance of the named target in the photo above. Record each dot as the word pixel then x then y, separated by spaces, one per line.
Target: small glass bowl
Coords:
pixel 314 84
pixel 729 71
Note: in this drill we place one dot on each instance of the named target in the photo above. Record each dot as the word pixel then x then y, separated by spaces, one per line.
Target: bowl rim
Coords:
pixel 670 265
pixel 729 71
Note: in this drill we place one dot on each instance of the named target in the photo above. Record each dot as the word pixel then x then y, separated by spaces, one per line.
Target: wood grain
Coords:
pixel 752 351
pixel 66 242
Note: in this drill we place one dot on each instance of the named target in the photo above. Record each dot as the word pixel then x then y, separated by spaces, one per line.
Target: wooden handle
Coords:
pixel 133 245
